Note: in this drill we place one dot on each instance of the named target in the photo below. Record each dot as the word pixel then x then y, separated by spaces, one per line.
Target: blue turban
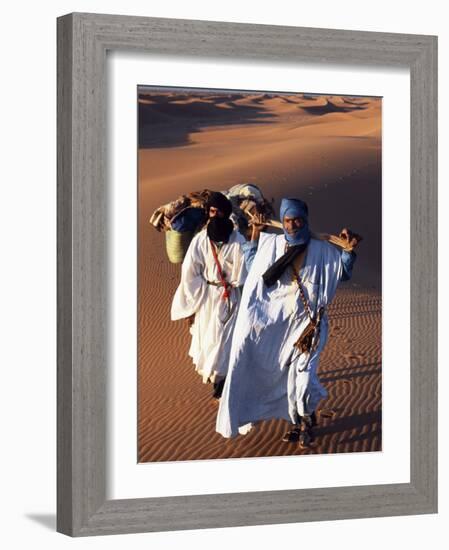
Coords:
pixel 296 208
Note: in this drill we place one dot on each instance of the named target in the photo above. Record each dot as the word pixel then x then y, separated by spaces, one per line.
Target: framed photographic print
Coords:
pixel 247 146
pixel 183 147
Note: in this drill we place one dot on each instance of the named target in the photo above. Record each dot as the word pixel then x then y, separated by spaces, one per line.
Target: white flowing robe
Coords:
pixel 264 379
pixel 212 329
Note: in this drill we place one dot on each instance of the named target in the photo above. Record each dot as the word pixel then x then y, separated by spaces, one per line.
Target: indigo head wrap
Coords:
pixel 293 208
pixel 296 208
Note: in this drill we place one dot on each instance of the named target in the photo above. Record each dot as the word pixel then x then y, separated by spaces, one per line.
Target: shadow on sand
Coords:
pixel 353 422
pixel 167 121
pixel 329 107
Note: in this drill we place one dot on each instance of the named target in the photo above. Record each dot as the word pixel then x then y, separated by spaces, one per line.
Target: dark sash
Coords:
pixel 274 272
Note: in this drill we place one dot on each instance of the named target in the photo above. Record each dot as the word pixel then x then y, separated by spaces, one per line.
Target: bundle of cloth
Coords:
pixel 247 200
pixel 184 213
pixel 183 217
pixel 180 220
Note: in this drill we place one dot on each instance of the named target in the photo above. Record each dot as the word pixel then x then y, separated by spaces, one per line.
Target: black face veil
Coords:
pixel 218 200
pixel 219 229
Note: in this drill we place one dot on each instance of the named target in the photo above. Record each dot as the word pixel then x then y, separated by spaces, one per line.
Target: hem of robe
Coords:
pixel 243 424
pixel 210 377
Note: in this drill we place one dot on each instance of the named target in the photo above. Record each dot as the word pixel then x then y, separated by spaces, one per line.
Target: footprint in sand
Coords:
pixel 327 413
pixel 352 355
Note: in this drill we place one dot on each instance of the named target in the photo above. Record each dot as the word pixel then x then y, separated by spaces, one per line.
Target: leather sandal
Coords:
pixel 292 436
pixel 306 436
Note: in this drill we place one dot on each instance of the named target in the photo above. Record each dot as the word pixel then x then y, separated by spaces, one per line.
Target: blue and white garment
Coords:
pixel 265 378
pixel 249 249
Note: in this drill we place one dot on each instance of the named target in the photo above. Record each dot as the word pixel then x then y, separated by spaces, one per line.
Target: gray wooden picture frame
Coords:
pixel 83 40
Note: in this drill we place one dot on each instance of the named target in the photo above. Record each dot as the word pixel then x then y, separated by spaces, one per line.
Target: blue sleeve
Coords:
pixel 347 260
pixel 249 249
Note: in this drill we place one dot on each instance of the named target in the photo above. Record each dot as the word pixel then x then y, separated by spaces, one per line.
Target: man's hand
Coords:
pixel 352 239
pixel 258 223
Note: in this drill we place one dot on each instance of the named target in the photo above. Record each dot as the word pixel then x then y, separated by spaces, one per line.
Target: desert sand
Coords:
pixel 323 149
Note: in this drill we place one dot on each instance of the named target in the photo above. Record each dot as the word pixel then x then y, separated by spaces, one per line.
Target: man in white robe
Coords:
pixel 212 276
pixel 291 281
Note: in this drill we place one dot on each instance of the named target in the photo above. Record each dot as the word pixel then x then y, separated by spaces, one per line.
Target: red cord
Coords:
pixel 220 272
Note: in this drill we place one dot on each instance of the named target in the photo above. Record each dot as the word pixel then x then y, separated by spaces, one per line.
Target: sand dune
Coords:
pixel 324 149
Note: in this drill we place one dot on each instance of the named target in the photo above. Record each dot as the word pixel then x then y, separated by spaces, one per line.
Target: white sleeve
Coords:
pixel 192 289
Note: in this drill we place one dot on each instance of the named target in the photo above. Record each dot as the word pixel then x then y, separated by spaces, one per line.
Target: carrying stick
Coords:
pixel 347 244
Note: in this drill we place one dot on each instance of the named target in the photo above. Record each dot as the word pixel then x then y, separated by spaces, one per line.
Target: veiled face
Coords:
pixel 292 225
pixel 215 212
